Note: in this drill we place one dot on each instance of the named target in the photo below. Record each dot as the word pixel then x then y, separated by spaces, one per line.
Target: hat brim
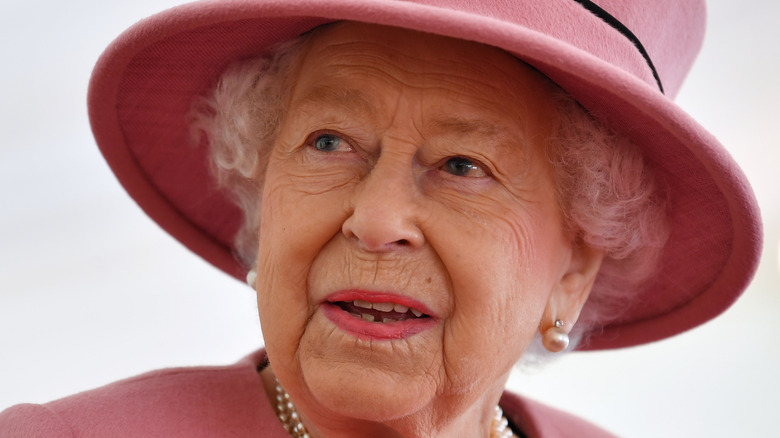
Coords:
pixel 143 86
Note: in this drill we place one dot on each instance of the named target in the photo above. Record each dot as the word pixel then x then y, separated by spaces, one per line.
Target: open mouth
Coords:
pixel 380 312
pixel 370 315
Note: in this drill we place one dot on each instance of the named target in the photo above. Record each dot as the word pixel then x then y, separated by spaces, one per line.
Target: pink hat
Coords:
pixel 622 60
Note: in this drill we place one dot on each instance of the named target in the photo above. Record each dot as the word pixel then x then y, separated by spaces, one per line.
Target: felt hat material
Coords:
pixel 622 60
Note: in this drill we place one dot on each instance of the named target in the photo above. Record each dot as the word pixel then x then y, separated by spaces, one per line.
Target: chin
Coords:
pixel 360 391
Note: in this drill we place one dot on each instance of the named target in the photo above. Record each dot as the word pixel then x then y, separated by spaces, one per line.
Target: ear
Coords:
pixel 570 293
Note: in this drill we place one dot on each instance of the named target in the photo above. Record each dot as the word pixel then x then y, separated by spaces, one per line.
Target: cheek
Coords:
pixel 296 223
pixel 301 210
pixel 503 266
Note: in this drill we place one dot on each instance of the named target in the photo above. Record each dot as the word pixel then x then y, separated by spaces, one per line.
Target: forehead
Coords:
pixel 354 63
pixel 418 59
pixel 411 52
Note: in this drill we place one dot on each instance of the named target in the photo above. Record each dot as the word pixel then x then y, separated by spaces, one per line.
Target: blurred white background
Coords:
pixel 92 291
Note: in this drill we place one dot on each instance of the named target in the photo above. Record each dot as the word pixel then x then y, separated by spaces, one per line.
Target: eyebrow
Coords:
pixel 463 126
pixel 362 103
pixel 496 137
pixel 350 98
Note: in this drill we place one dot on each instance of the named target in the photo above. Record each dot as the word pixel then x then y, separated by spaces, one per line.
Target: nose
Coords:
pixel 385 209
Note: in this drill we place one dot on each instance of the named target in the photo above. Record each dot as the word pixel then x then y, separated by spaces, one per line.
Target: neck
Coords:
pixel 475 419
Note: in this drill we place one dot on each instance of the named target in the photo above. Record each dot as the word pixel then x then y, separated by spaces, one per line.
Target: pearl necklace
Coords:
pixel 285 410
pixel 291 421
pixel 499 427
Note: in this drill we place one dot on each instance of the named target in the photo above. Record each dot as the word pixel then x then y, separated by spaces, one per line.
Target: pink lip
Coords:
pixel 363 329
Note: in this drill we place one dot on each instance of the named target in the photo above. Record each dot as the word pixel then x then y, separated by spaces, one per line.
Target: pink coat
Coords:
pixel 211 402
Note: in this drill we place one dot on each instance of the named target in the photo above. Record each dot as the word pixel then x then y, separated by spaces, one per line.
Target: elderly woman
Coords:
pixel 422 193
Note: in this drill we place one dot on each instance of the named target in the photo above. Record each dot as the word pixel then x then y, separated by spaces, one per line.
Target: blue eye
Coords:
pixel 327 143
pixel 460 166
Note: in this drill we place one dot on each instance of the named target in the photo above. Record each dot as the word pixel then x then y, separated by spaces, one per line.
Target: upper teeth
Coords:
pixel 383 307
pixel 386 307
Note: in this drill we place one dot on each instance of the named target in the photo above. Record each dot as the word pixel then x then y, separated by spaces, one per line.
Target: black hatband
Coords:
pixel 617 25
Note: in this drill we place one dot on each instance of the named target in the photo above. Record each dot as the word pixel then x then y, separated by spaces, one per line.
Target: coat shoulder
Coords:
pixel 176 402
pixel 31 420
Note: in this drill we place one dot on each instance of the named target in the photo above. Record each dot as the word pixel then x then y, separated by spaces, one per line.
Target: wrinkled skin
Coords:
pixel 411 164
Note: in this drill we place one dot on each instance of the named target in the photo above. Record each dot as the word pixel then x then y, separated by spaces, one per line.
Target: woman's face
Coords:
pixel 408 176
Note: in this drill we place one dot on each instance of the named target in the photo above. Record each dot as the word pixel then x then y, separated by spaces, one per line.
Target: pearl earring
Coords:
pixel 251 278
pixel 555 338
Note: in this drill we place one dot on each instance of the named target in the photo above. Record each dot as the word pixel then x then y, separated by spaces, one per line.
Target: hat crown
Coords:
pixel 669 31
